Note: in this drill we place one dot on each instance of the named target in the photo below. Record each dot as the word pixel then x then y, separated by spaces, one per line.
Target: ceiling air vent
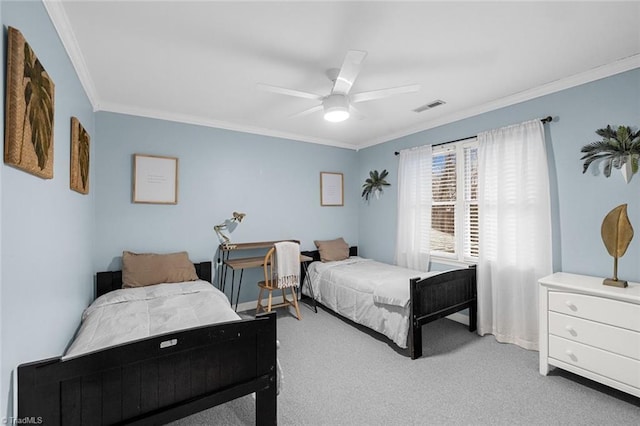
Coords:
pixel 430 105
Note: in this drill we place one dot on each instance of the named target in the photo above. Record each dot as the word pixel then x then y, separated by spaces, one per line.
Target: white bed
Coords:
pixel 367 292
pixel 168 347
pixel 131 314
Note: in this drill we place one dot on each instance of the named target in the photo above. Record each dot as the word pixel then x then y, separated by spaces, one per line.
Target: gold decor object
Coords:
pixel 80 147
pixel 28 142
pixel 617 233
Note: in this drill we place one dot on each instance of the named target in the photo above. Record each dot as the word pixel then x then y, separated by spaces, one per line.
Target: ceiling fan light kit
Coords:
pixel 337 105
pixel 336 108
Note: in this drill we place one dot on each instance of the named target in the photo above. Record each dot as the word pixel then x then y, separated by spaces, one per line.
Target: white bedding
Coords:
pixel 367 292
pixel 135 313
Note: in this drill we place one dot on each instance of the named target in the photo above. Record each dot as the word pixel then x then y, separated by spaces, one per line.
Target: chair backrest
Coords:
pixel 270 268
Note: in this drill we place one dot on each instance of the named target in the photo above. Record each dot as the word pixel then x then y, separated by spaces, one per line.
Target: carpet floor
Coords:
pixel 339 373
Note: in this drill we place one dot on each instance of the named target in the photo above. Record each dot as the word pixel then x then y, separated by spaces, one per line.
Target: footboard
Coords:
pixel 156 380
pixel 438 296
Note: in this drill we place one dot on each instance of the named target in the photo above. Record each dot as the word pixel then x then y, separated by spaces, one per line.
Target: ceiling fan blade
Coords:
pixel 290 92
pixel 349 71
pixel 356 113
pixel 306 111
pixel 383 93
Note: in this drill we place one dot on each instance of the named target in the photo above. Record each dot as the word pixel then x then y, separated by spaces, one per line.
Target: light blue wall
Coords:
pixel 46 240
pixel 580 201
pixel 53 240
pixel 276 182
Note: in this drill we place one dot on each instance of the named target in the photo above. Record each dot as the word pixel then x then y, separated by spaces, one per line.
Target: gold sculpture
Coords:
pixel 617 233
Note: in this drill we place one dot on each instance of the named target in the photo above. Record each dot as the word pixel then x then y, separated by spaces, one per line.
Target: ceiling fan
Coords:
pixel 338 105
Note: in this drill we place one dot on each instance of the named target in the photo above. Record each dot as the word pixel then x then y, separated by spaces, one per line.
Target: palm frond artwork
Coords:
pixel 374 184
pixel 30 110
pixel 80 148
pixel 619 148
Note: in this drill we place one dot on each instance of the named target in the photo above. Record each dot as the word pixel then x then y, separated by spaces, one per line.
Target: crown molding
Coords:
pixel 594 74
pixel 58 16
pixel 613 68
pixel 60 21
pixel 207 122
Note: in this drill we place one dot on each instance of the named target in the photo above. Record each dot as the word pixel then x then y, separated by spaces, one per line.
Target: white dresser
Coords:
pixel 591 329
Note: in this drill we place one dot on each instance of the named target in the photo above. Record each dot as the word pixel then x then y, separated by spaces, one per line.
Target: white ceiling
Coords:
pixel 200 62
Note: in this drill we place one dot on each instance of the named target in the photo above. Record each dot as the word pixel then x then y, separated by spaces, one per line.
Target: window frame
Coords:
pixel 458 258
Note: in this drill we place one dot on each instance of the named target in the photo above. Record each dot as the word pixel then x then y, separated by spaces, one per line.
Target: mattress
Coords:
pixel 367 292
pixel 130 314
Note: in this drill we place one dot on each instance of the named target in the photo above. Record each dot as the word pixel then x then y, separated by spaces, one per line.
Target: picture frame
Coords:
pixel 80 156
pixel 331 189
pixel 29 110
pixel 155 179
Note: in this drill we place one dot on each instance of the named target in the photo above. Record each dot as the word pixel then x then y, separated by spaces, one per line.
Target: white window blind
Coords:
pixel 443 208
pixel 471 225
pixel 454 211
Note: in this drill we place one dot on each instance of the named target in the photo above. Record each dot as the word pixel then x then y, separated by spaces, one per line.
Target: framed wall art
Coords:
pixel 80 149
pixel 331 189
pixel 155 179
pixel 28 143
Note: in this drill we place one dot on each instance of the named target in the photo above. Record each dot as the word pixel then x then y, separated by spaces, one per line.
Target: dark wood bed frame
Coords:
pixel 433 298
pixel 158 379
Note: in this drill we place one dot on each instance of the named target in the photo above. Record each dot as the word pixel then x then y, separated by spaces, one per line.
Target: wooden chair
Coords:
pixel 270 284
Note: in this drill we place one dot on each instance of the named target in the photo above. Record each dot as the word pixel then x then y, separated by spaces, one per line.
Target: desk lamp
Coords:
pixel 229 225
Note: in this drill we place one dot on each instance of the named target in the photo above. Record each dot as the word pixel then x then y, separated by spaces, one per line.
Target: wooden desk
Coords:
pixel 255 262
pixel 242 263
pixel 225 251
pixel 252 246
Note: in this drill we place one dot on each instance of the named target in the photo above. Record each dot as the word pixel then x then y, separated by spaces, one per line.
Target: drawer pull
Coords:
pixel 571 355
pixel 571 330
pixel 570 305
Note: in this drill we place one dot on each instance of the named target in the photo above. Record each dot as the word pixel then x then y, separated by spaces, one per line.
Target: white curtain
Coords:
pixel 515 231
pixel 414 208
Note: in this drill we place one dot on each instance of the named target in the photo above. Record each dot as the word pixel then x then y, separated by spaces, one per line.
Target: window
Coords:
pixel 454 210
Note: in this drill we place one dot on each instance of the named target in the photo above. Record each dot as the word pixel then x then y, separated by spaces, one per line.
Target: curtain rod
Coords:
pixel 547 119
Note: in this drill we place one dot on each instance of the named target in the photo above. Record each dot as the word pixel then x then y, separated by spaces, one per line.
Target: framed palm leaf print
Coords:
pixel 80 148
pixel 28 143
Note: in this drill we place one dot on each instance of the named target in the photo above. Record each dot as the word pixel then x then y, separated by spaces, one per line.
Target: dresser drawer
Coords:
pixel 613 339
pixel 622 369
pixel 607 311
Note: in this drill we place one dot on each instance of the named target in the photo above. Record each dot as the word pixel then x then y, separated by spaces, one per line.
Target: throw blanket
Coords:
pixel 288 264
pixel 135 313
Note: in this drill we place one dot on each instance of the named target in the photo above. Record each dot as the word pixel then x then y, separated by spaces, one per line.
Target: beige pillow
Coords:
pixel 142 269
pixel 332 250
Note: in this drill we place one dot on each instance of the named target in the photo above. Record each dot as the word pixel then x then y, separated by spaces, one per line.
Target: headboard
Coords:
pixel 112 280
pixel 315 255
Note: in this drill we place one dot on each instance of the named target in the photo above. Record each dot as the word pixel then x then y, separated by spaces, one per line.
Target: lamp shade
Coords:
pixel 336 108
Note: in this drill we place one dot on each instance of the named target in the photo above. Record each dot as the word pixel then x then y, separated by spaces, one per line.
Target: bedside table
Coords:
pixel 591 329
